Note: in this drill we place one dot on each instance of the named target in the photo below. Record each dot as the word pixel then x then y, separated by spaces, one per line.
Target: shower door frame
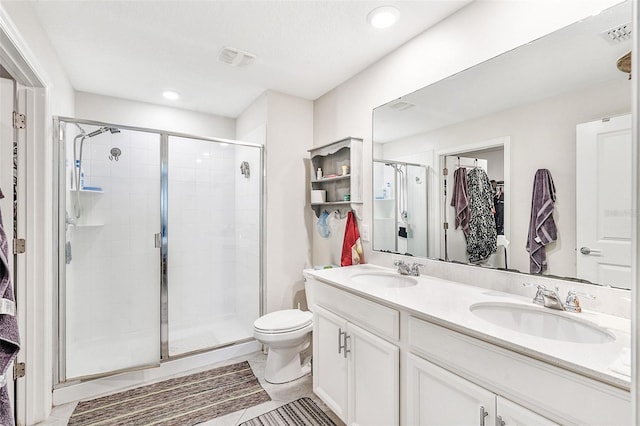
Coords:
pixel 59 319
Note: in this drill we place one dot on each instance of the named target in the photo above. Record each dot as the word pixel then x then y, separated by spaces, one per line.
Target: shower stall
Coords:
pixel 400 207
pixel 160 246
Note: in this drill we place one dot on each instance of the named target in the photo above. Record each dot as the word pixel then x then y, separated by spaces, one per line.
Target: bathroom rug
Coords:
pixel 186 400
pixel 301 412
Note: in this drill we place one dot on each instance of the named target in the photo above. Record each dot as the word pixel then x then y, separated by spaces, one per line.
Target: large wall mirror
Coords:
pixel 555 111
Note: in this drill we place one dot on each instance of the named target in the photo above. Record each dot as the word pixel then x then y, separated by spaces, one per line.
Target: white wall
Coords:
pixel 476 33
pixel 125 112
pixel 289 132
pixel 19 18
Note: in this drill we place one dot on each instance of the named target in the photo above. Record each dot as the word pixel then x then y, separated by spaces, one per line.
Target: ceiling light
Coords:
pixel 170 95
pixel 383 17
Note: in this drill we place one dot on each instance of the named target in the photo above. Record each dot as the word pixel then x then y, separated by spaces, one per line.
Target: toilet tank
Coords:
pixel 309 289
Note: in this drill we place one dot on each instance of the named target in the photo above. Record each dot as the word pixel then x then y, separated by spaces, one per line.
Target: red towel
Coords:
pixel 352 253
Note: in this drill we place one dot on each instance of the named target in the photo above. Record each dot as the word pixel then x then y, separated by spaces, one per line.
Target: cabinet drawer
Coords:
pixel 381 320
pixel 551 391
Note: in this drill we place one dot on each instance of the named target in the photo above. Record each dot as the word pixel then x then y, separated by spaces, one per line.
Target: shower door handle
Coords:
pixel 158 240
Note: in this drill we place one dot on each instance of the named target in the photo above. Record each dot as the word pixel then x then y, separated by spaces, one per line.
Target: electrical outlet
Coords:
pixel 364 232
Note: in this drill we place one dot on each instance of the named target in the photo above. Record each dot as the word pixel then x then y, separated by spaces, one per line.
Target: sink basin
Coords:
pixel 384 279
pixel 541 322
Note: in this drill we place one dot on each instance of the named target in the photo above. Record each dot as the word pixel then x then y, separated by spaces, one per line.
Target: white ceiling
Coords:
pixel 137 49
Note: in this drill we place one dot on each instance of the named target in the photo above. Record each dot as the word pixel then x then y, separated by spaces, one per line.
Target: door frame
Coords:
pixel 33 284
pixel 503 142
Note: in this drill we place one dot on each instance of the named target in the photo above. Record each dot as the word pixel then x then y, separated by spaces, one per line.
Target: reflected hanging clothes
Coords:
pixel 542 227
pixel 482 238
pixel 9 335
pixel 460 200
pixel 352 253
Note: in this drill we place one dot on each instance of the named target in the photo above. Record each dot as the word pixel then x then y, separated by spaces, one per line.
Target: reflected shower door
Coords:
pixel 417 212
pixel 109 300
pixel 213 253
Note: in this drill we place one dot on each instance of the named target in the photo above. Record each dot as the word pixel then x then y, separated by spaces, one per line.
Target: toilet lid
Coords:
pixel 283 321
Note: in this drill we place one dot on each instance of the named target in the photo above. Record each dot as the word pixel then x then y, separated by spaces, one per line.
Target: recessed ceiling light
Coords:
pixel 168 94
pixel 383 17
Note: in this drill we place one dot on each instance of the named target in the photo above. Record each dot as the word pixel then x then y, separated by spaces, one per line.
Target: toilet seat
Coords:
pixel 284 321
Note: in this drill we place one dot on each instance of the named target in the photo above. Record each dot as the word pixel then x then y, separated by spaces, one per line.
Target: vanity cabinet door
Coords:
pixel 511 414
pixel 329 361
pixel 374 379
pixel 438 397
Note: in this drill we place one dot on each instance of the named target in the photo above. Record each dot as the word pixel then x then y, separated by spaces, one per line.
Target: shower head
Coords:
pixel 103 130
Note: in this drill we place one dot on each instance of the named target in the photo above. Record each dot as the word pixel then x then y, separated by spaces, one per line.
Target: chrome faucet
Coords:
pixel 551 299
pixel 406 269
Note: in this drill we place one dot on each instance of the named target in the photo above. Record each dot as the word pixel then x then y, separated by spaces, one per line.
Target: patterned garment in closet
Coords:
pixel 482 238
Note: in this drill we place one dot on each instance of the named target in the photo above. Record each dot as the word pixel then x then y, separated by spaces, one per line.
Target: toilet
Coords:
pixel 286 333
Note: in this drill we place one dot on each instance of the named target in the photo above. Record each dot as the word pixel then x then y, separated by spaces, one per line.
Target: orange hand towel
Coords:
pixel 352 253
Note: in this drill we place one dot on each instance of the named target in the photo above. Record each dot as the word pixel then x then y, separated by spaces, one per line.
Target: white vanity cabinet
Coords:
pixel 355 372
pixel 439 397
pixel 545 393
pixel 511 414
pixel 378 363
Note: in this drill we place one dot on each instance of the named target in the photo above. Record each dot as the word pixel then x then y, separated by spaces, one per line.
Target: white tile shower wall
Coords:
pixel 201 233
pixel 112 281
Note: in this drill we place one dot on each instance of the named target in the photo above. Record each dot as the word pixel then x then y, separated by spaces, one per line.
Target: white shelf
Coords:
pixel 89 225
pixel 331 179
pixel 89 191
pixel 331 159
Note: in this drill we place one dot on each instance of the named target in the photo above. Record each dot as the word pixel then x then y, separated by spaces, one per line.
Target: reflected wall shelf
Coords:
pixel 330 158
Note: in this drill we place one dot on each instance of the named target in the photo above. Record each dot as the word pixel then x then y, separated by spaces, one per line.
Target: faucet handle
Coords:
pixel 415 268
pixel 573 303
pixel 537 299
pixel 399 263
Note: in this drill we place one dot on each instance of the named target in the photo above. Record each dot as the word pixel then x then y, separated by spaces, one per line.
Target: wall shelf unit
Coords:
pixel 331 158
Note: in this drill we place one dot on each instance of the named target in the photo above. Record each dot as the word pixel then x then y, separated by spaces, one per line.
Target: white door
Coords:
pixel 510 414
pixel 603 201
pixel 456 247
pixel 329 361
pixel 374 378
pixel 438 397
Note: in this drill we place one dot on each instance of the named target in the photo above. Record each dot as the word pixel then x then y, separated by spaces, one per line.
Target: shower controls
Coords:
pixel 115 154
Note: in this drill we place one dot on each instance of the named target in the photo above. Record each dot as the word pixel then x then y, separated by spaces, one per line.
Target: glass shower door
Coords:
pixel 213 253
pixel 109 202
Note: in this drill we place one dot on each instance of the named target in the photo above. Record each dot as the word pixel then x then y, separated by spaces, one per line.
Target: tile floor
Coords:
pixel 280 395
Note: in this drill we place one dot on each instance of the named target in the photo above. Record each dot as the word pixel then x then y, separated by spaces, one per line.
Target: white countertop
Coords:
pixel 447 303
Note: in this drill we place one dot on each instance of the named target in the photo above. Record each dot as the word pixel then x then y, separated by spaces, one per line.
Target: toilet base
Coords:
pixel 284 366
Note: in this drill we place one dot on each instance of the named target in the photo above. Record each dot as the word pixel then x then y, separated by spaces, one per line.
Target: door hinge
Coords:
pixel 445 172
pixel 19 246
pixel 445 225
pixel 19 370
pixel 19 120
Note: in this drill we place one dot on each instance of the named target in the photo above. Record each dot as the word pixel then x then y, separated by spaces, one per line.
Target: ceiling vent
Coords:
pixel 401 105
pixel 236 57
pixel 618 34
